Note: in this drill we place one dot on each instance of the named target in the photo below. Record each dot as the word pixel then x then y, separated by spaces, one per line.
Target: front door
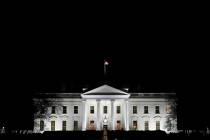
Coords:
pixel 105 127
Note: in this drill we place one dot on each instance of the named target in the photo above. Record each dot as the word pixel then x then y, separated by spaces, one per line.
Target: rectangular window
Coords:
pixel 91 109
pixel 134 125
pixel 118 109
pixel 75 125
pixel 157 109
pixel 75 109
pixel 157 125
pixel 168 109
pixel 105 109
pixel 64 109
pixel 134 109
pixel 146 125
pixel 53 110
pixel 146 110
pixel 52 125
pixel 41 125
pixel 64 125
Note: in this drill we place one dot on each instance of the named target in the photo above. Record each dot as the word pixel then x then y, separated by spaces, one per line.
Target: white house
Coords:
pixel 105 107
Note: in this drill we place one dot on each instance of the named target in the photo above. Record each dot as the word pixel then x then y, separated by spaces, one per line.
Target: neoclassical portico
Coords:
pixel 111 106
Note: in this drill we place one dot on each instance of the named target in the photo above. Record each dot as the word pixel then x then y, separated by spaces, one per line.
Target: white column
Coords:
pixel 124 114
pixel 112 115
pixel 98 115
pixel 127 117
pixel 139 124
pixel 84 120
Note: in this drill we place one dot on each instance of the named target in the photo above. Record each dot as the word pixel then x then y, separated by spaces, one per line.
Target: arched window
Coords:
pixel 157 125
pixel 135 126
pixel 118 126
pixel 146 125
pixel 52 125
pixel 75 125
pixel 41 125
pixel 92 125
pixel 64 125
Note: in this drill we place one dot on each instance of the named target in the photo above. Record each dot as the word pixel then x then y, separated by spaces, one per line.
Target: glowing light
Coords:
pixel 106 63
pixel 105 120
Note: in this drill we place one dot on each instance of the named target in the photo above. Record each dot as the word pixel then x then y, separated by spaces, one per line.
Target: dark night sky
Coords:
pixel 160 54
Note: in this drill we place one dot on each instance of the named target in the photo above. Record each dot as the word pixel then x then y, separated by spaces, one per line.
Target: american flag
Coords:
pixel 106 62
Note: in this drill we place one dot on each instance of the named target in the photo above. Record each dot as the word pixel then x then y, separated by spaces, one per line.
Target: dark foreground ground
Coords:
pixel 93 135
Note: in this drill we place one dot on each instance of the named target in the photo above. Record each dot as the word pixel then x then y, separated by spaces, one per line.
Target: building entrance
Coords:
pixel 105 127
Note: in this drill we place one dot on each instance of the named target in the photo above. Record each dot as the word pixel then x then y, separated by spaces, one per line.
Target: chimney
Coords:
pixel 126 89
pixel 84 89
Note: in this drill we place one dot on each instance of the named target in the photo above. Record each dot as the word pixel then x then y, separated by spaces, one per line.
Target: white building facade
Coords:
pixel 105 107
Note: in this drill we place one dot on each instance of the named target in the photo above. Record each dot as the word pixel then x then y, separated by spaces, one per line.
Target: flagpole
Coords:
pixel 105 71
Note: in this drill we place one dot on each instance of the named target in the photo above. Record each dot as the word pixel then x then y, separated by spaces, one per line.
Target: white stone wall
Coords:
pixel 152 117
pixel 59 116
pixel 140 117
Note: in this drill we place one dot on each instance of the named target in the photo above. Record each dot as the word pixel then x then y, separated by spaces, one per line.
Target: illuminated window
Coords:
pixel 53 110
pixel 146 110
pixel 75 109
pixel 64 109
pixel 41 125
pixel 146 125
pixel 118 109
pixel 157 125
pixel 168 109
pixel 105 109
pixel 134 109
pixel 157 109
pixel 118 127
pixel 75 125
pixel 64 125
pixel 52 125
pixel 91 109
pixel 92 125
pixel 134 125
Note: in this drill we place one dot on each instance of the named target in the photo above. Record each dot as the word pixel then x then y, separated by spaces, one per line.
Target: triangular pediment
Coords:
pixel 105 90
